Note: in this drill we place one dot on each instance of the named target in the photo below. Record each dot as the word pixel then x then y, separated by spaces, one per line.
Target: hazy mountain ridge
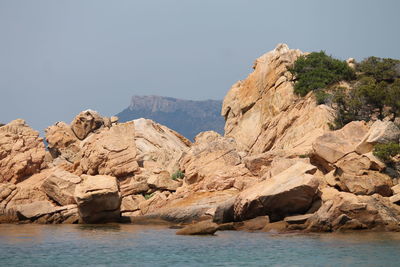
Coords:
pixel 188 117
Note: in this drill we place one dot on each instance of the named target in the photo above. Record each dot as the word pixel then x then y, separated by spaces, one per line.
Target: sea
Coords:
pixel 139 245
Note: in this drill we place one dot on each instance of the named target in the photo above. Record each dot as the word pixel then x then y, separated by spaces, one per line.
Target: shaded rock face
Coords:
pixel 98 199
pixel 262 113
pixel 345 211
pixel 291 192
pixel 85 123
pixel 381 132
pixel 63 142
pixel 22 151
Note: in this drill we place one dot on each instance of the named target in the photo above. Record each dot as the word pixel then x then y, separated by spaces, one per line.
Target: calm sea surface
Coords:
pixel 132 245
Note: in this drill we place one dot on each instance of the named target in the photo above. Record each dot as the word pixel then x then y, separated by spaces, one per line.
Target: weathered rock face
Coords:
pixel 60 186
pixel 110 152
pixel 213 163
pixel 98 199
pixel 345 211
pixel 291 192
pixel 263 113
pixel 157 143
pixel 86 122
pixel 21 152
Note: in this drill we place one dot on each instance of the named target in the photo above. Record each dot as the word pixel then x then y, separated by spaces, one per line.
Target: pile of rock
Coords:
pixel 95 169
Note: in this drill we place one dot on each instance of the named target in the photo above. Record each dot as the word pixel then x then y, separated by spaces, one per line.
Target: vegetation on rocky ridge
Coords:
pixel 374 86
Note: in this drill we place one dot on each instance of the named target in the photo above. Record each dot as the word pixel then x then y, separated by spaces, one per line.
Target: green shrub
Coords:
pixel 148 196
pixel 381 69
pixel 177 175
pixel 318 70
pixel 393 97
pixel 322 97
pixel 385 152
pixel 348 106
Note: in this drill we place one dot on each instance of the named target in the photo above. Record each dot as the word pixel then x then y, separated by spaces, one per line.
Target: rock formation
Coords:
pixel 277 168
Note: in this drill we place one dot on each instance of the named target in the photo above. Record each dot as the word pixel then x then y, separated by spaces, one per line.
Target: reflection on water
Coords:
pixel 123 244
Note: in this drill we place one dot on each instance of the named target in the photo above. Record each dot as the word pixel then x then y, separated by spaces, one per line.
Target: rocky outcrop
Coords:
pixel 291 192
pixel 262 112
pixel 98 199
pixel 21 151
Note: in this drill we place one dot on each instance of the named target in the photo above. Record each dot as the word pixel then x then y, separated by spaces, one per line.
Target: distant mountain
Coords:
pixel 187 117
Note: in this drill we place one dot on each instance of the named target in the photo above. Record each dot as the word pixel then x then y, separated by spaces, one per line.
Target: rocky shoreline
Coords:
pixel 278 167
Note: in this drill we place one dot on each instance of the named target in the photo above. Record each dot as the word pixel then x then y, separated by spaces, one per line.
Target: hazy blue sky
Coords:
pixel 60 57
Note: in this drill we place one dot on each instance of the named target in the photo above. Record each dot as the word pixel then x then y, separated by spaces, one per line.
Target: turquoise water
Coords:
pixel 132 245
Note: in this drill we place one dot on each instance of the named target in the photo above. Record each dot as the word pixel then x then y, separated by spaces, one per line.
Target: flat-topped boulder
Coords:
pixel 98 199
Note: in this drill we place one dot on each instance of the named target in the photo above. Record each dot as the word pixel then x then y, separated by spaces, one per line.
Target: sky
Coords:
pixel 59 57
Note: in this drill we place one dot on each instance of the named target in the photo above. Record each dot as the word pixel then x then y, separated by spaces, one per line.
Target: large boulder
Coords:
pixel 381 132
pixel 98 199
pixel 332 146
pixel 45 212
pixel 110 152
pixel 213 163
pixel 291 192
pixel 157 143
pixel 86 122
pixel 22 151
pixel 346 211
pixel 60 186
pixel 200 228
pixel 263 113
